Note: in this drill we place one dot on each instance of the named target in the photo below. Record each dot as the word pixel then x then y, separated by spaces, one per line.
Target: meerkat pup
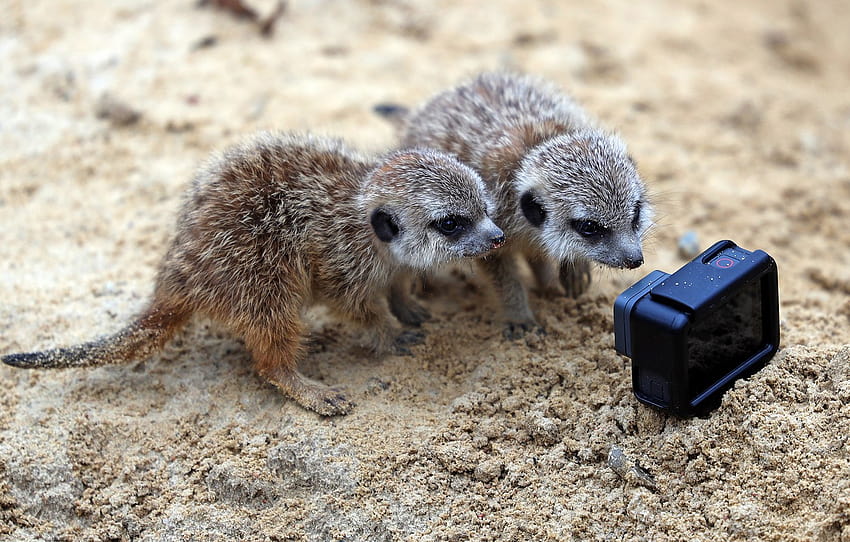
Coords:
pixel 281 221
pixel 567 192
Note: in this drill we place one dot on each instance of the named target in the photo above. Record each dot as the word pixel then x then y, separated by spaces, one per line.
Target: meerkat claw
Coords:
pixel 410 337
pixel 405 340
pixel 335 403
pixel 410 313
pixel 518 330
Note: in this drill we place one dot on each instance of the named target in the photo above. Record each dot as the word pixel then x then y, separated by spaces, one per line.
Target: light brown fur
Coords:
pixel 282 221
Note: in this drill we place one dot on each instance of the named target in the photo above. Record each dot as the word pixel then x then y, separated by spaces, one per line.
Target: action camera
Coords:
pixel 691 334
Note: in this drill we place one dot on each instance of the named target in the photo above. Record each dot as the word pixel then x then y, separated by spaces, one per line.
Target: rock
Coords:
pixel 543 430
pixel 488 470
pixel 116 112
pixel 688 245
pixel 628 469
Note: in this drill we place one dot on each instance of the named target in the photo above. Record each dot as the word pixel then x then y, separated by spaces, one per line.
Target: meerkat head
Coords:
pixel 427 208
pixel 582 196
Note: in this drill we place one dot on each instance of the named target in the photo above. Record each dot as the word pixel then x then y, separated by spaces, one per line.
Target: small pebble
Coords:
pixel 688 245
pixel 116 112
pixel 629 469
pixel 206 42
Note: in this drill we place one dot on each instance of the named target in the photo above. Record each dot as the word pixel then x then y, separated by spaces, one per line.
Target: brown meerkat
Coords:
pixel 281 221
pixel 567 192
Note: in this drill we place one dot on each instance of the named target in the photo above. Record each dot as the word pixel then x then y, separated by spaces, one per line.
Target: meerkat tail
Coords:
pixel 396 114
pixel 144 336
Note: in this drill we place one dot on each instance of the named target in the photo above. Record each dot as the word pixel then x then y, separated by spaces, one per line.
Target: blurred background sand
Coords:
pixel 738 114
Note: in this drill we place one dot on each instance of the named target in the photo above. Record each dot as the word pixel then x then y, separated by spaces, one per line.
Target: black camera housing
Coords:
pixel 692 334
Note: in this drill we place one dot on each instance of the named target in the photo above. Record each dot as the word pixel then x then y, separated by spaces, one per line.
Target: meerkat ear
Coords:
pixel 384 225
pixel 531 209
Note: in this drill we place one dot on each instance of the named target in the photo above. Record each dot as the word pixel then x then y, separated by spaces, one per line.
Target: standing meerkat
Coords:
pixel 281 221
pixel 567 192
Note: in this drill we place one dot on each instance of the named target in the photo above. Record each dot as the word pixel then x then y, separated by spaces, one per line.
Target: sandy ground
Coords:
pixel 739 116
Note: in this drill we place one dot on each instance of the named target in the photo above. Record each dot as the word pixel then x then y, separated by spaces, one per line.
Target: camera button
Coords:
pixel 723 262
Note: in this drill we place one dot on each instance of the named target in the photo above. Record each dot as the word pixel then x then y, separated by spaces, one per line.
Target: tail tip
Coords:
pixel 24 361
pixel 14 360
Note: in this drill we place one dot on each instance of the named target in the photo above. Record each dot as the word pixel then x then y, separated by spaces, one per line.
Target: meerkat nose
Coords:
pixel 498 240
pixel 633 263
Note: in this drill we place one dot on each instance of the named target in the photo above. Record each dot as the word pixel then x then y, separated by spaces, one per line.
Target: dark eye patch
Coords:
pixel 636 219
pixel 589 229
pixel 452 225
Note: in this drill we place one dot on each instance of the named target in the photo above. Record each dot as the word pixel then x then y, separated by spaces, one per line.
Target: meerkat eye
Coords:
pixel 447 225
pixel 532 210
pixel 451 225
pixel 588 229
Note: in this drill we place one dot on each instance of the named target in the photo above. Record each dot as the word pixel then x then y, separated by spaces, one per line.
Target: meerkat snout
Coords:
pixel 622 252
pixel 633 261
pixel 471 240
pixel 498 241
pixel 631 255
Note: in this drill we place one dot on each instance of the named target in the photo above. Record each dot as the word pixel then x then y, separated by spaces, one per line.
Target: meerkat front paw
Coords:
pixel 409 312
pixel 575 277
pixel 405 340
pixel 330 402
pixel 518 330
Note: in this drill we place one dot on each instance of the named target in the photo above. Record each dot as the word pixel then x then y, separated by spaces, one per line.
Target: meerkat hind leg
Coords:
pixel 406 339
pixel 276 361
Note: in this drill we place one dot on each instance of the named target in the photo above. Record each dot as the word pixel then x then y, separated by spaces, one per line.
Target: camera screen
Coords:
pixel 725 338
